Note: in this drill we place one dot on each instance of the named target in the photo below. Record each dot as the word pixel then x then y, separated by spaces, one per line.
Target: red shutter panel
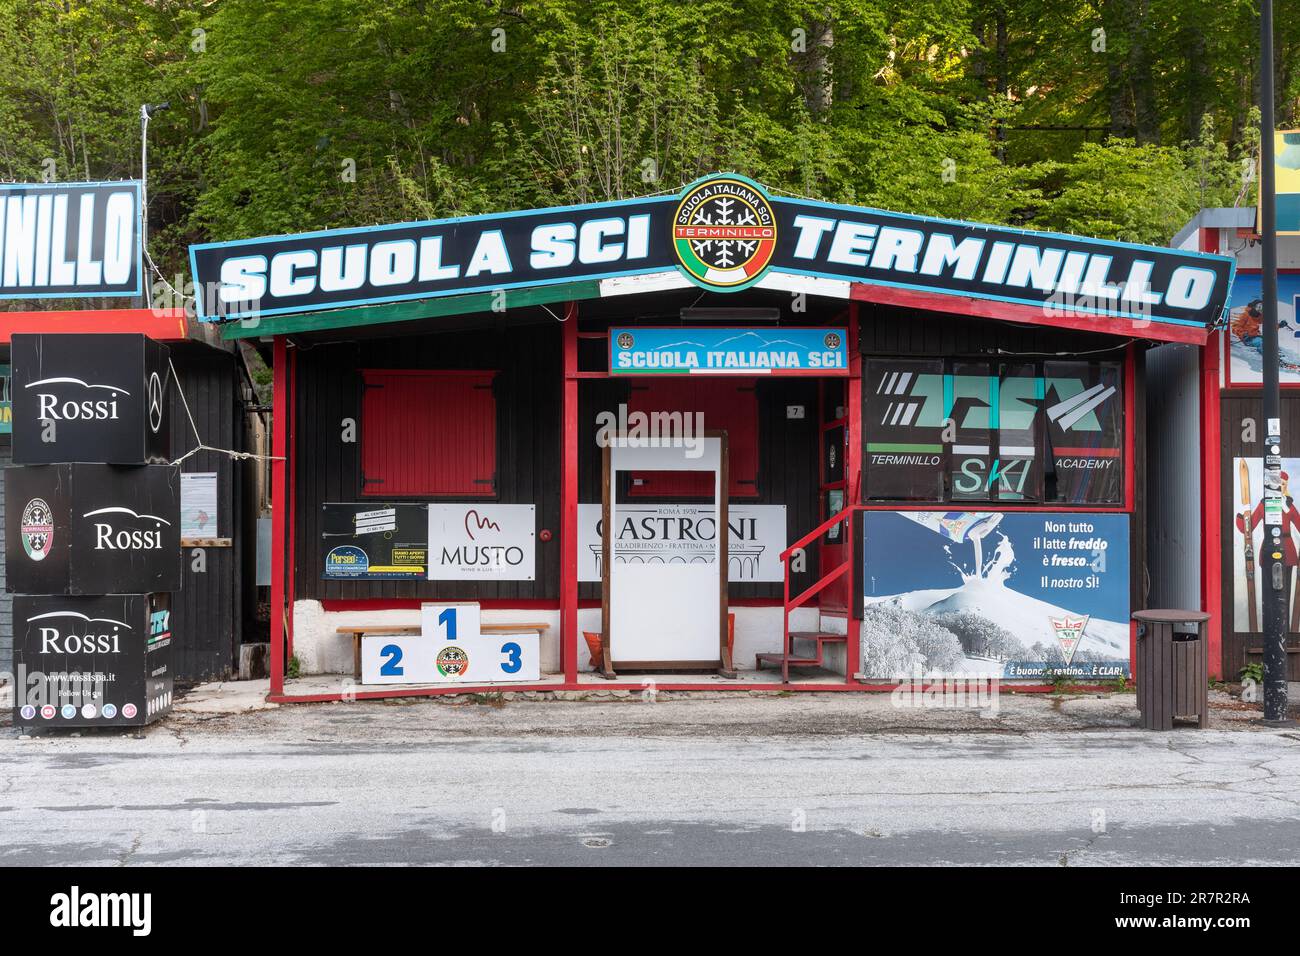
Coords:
pixel 428 434
pixel 726 405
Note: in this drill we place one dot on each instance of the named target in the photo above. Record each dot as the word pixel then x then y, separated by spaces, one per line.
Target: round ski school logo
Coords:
pixel 724 233
pixel 36 529
pixel 452 661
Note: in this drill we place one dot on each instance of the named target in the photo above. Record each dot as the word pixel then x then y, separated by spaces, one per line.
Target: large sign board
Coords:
pixel 1004 594
pixel 773 350
pixel 70 240
pixel 1286 166
pixel 92 661
pixel 374 540
pixel 482 541
pixel 682 534
pixel 1010 431
pixel 722 233
pixel 90 398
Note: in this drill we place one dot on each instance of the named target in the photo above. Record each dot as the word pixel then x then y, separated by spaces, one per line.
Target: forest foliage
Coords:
pixel 1111 118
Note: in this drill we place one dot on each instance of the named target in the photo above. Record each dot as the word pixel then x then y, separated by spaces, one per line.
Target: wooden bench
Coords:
pixel 357 630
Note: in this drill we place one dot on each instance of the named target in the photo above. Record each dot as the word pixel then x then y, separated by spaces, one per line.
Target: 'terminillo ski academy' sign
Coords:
pixel 724 233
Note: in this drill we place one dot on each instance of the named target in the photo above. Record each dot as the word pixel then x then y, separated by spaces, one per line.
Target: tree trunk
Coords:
pixel 815 80
pixel 1141 77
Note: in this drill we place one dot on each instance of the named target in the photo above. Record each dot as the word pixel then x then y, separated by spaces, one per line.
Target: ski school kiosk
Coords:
pixel 509 444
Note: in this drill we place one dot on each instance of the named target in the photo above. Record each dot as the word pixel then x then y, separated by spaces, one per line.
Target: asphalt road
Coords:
pixel 749 783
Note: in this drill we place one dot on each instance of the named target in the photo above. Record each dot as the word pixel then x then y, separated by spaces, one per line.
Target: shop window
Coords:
pixel 902 428
pixel 979 431
pixel 428 434
pixel 725 405
pixel 1084 408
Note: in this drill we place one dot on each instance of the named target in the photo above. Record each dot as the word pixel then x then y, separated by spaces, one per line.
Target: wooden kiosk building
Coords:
pixel 926 439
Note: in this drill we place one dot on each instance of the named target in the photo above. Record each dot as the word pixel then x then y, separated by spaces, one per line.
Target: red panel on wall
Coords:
pixel 428 433
pixel 726 405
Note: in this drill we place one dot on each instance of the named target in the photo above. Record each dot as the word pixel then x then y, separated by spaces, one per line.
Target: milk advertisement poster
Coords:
pixel 1000 594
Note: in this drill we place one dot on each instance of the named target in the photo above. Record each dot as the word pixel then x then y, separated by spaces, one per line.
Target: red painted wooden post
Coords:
pixel 853 486
pixel 1211 488
pixel 279 510
pixel 569 500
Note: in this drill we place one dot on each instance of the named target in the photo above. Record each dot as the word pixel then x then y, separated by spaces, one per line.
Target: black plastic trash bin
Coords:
pixel 1172 663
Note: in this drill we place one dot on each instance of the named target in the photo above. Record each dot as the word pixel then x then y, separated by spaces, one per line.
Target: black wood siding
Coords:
pixel 527 392
pixel 207 613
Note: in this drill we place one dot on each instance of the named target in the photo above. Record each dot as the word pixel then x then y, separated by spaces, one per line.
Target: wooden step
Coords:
pixel 825 637
pixel 793 661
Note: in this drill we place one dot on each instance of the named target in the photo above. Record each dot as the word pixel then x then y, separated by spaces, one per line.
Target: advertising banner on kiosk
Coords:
pixel 1007 594
pixel 680 534
pixel 470 542
pixel 699 351
pixel 374 539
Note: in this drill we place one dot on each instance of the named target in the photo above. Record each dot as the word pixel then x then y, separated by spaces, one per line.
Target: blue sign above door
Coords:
pixel 728 351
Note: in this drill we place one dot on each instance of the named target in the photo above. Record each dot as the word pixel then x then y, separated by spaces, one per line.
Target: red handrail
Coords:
pixel 820 529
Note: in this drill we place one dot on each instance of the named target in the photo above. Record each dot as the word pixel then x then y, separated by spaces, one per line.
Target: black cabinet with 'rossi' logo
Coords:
pixel 93 398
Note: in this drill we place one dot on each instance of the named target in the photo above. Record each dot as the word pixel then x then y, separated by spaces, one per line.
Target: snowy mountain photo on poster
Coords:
pixel 1006 594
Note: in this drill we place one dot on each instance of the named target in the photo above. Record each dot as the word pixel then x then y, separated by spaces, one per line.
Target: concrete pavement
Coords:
pixel 818 779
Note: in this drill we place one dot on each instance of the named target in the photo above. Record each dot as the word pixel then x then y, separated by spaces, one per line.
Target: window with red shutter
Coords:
pixel 726 405
pixel 428 434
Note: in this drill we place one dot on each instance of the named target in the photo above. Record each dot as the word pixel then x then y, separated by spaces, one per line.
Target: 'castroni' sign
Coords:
pixel 723 233
pixel 69 240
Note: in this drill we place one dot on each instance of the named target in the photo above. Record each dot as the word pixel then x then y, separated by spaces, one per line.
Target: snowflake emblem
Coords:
pixel 724 232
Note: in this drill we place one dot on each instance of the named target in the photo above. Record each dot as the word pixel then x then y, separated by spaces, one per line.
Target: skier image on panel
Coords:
pixel 1290 556
pixel 1248 321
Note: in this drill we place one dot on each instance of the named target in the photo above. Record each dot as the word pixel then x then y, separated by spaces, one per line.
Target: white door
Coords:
pixel 665 609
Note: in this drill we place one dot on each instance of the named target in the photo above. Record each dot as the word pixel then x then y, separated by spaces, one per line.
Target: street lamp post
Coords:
pixel 1275 618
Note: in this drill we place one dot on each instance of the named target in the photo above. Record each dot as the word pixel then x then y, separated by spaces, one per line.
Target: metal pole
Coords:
pixel 144 177
pixel 1275 617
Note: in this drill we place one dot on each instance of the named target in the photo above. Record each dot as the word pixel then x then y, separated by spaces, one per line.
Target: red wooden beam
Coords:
pixel 1028 314
pixel 1211 502
pixel 161 324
